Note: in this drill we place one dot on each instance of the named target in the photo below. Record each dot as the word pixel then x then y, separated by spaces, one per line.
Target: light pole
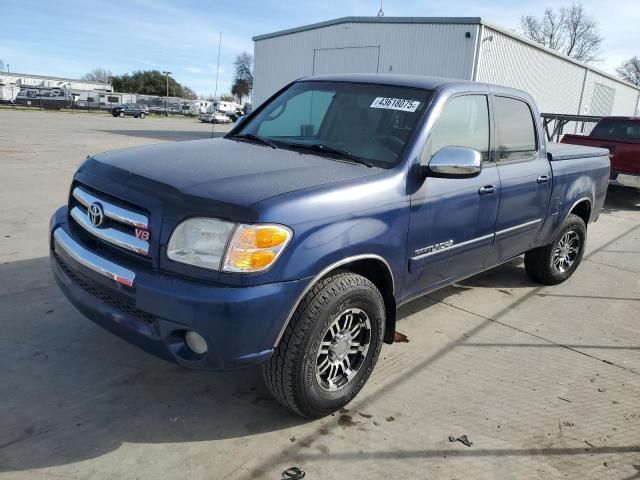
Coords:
pixel 8 65
pixel 166 99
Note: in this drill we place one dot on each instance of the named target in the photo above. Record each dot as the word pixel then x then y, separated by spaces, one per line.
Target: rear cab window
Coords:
pixel 617 129
pixel 515 129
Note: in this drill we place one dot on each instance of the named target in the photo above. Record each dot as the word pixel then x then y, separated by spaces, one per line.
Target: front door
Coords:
pixel 525 179
pixel 452 219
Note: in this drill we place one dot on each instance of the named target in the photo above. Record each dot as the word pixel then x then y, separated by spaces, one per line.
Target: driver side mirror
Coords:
pixel 240 120
pixel 454 162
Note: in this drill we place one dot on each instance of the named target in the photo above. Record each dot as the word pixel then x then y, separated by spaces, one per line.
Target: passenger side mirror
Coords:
pixel 454 162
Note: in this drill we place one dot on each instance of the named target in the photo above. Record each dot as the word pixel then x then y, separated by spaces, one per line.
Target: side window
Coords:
pixel 301 116
pixel 516 133
pixel 464 122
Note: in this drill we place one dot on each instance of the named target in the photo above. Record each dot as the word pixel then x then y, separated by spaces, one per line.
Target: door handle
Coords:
pixel 486 190
pixel 543 179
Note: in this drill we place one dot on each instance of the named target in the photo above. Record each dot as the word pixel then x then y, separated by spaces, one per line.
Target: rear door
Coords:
pixel 525 178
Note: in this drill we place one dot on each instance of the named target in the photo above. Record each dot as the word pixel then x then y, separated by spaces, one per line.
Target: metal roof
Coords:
pixel 446 21
pixel 51 77
pixel 337 21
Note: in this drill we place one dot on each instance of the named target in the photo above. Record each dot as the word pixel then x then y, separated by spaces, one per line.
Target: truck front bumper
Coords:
pixel 155 311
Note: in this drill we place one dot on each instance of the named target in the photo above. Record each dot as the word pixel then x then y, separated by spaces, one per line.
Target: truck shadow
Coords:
pixel 621 199
pixel 71 391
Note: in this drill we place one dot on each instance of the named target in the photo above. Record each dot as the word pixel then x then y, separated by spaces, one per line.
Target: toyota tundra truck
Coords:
pixel 291 242
pixel 621 136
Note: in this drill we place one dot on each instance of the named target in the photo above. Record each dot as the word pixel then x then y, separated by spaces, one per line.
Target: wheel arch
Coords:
pixel 371 266
pixel 582 208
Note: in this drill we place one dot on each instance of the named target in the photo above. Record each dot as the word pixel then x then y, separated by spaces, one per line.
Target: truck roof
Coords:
pixel 414 81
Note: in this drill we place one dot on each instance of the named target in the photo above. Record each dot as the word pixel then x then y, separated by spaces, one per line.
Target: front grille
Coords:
pixel 110 222
pixel 124 307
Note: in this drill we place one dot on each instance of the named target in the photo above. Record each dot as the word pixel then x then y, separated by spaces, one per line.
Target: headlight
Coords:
pixel 200 242
pixel 252 248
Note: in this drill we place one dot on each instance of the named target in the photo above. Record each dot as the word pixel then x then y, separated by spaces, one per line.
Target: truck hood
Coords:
pixel 223 170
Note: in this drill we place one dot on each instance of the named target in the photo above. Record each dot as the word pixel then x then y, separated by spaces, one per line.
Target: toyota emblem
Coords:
pixel 96 214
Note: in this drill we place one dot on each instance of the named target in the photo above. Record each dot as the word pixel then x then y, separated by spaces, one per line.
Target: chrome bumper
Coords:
pixel 92 261
pixel 626 180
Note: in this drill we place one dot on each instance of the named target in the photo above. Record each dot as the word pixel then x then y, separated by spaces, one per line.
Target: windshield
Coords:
pixel 366 122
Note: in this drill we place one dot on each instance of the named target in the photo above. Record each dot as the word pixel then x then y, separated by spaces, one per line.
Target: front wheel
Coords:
pixel 121 114
pixel 556 262
pixel 142 115
pixel 330 346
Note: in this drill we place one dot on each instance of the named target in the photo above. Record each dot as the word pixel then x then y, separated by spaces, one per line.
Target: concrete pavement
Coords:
pixel 544 381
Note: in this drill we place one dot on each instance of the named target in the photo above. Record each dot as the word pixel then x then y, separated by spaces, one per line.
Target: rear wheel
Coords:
pixel 330 346
pixel 556 262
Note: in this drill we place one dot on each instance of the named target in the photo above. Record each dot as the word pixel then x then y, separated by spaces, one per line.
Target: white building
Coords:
pixel 463 48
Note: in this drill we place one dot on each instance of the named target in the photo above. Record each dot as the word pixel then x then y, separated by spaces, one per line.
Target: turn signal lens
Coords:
pixel 254 248
pixel 250 260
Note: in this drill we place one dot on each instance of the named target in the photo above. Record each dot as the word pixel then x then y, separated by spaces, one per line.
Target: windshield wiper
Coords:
pixel 256 138
pixel 320 147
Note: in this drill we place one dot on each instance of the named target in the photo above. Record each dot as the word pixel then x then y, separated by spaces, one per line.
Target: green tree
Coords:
pixel 150 82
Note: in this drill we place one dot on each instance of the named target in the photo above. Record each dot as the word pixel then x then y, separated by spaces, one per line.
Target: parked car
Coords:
pixel 291 241
pixel 137 110
pixel 215 117
pixel 621 136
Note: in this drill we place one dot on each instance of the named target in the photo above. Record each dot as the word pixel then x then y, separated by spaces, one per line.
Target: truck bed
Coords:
pixel 564 151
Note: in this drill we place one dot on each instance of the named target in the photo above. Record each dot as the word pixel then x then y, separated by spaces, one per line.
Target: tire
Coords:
pixel 142 115
pixel 554 263
pixel 121 114
pixel 303 373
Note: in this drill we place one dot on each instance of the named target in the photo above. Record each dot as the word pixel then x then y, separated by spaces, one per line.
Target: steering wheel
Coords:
pixel 389 142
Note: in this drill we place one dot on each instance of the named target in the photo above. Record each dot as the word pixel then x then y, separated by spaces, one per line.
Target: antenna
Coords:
pixel 215 93
pixel 381 11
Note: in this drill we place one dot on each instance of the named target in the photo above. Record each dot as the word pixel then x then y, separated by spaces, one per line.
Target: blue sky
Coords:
pixel 71 37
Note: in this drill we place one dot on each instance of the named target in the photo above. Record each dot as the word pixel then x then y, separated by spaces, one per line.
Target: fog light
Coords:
pixel 196 342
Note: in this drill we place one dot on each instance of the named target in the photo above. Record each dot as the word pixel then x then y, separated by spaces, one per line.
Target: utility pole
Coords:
pixel 8 65
pixel 215 93
pixel 166 98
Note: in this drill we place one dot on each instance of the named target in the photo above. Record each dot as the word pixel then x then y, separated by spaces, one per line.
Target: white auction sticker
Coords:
pixel 395 104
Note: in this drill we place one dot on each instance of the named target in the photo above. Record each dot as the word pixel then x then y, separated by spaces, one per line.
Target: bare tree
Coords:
pixel 98 75
pixel 243 82
pixel 630 70
pixel 569 30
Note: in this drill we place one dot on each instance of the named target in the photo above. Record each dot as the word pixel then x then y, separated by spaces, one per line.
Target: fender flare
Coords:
pixel 321 275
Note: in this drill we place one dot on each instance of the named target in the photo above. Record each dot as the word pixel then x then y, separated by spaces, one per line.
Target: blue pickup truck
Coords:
pixel 290 242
